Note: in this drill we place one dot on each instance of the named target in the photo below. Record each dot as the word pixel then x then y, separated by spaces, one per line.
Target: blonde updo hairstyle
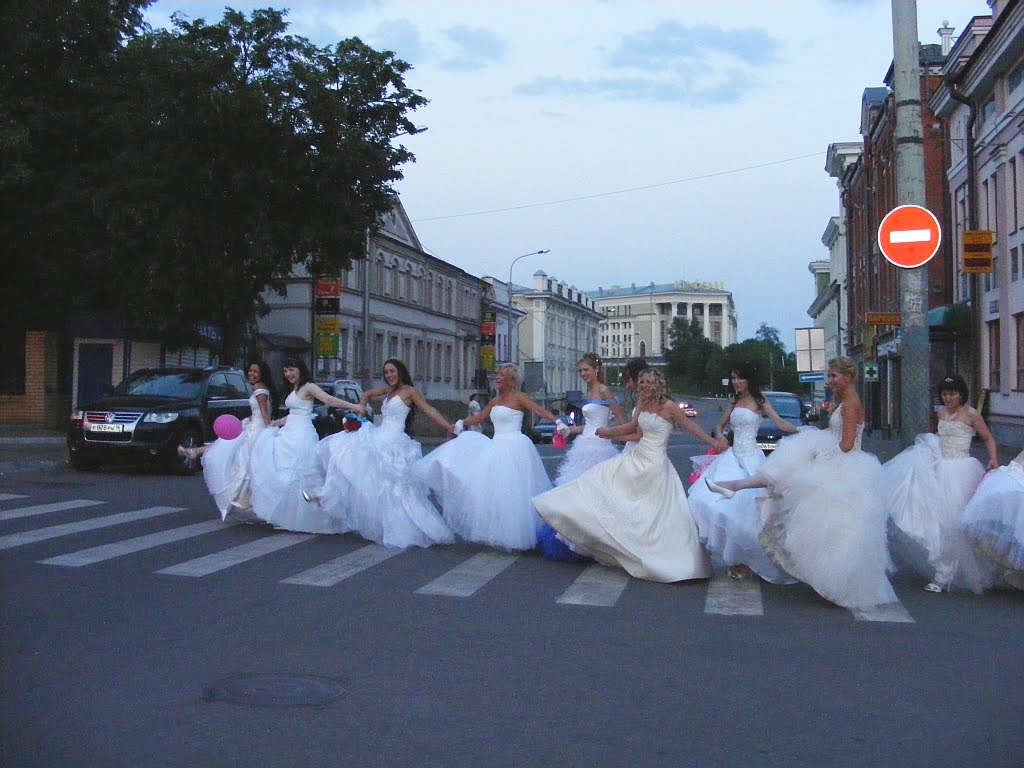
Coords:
pixel 844 365
pixel 591 359
pixel 513 371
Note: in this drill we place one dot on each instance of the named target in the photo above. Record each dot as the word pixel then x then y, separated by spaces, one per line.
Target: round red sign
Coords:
pixel 909 236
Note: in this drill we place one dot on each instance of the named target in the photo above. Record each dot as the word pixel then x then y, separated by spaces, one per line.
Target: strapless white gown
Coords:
pixel 994 521
pixel 279 468
pixel 631 512
pixel 369 487
pixel 485 485
pixel 824 520
pixel 226 464
pixel 926 489
pixel 730 528
pixel 587 449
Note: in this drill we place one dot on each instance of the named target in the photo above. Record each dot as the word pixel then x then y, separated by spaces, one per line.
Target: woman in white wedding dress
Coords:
pixel 631 511
pixel 927 486
pixel 283 456
pixel 484 485
pixel 368 485
pixel 730 529
pixel 226 462
pixel 824 519
pixel 994 521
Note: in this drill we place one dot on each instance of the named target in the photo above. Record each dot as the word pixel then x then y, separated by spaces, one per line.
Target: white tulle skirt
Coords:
pixel 730 529
pixel 824 520
pixel 369 488
pixel 485 487
pixel 925 498
pixel 585 452
pixel 226 470
pixel 994 521
pixel 279 468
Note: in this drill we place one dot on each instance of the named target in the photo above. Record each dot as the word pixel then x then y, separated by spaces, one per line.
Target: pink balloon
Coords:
pixel 227 427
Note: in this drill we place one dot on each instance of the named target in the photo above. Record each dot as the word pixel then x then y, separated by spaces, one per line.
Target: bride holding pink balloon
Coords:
pixel 226 460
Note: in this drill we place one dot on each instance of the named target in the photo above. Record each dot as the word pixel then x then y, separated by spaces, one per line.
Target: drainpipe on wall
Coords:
pixel 952 82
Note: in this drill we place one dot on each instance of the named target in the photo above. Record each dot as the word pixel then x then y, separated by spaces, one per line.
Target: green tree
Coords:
pixel 688 355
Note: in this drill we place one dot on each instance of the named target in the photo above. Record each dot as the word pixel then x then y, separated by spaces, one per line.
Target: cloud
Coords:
pixel 699 66
pixel 404 38
pixel 476 48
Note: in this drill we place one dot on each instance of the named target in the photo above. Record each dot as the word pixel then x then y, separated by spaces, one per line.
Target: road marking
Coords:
pixel 892 612
pixel 137 544
pixel 218 561
pixel 734 597
pixel 10 496
pixel 42 509
pixel 341 568
pixel 468 576
pixel 597 585
pixel 53 531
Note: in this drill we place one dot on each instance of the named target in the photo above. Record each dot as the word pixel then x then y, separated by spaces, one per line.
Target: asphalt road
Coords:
pixel 164 638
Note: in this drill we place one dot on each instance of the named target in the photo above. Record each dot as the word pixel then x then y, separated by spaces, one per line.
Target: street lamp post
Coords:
pixel 508 340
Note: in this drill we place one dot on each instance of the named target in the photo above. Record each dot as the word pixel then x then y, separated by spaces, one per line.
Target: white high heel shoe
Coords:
pixel 716 488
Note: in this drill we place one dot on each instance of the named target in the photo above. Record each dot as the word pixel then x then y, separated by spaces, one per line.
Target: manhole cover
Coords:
pixel 275 690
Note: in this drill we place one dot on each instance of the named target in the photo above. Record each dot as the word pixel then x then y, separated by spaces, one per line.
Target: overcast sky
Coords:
pixel 639 140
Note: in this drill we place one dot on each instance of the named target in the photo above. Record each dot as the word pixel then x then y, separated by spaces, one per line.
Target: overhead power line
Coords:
pixel 619 191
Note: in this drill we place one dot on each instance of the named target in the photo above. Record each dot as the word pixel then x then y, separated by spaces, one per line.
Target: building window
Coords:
pixel 12 362
pixel 1015 264
pixel 993 355
pixel 681 309
pixel 393 347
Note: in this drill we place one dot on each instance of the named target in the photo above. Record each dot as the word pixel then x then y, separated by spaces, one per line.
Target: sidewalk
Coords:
pixel 25 447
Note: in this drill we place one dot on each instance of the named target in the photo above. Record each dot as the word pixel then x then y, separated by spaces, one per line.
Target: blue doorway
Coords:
pixel 95 371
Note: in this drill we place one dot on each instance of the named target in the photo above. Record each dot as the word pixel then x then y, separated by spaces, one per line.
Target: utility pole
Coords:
pixel 915 353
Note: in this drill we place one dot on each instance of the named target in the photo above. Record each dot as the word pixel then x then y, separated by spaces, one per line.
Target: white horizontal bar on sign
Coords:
pixel 54 531
pixel 42 509
pixel 218 561
pixel 910 236
pixel 130 546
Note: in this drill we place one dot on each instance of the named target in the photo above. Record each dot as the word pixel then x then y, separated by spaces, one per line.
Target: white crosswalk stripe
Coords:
pixel 42 509
pixel 469 576
pixel 598 585
pixel 218 561
pixel 341 568
pixel 734 597
pixel 893 613
pixel 51 532
pixel 137 544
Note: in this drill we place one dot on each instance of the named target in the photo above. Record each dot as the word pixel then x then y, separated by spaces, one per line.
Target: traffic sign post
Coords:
pixel 808 377
pixel 909 236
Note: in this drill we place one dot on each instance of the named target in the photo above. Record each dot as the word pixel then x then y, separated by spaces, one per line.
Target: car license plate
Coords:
pixel 767 446
pixel 106 427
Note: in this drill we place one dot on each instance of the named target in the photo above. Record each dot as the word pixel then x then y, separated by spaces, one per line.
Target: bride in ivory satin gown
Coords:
pixel 631 511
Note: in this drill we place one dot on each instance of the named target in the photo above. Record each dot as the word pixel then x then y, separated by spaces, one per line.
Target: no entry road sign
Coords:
pixel 909 236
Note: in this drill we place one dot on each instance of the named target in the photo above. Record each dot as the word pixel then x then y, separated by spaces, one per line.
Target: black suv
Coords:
pixel 790 408
pixel 153 411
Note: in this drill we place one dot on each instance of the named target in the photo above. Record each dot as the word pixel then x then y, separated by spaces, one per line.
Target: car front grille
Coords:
pixel 126 420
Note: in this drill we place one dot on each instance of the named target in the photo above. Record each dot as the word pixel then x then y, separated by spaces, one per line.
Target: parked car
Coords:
pixel 790 408
pixel 153 411
pixel 543 430
pixel 327 420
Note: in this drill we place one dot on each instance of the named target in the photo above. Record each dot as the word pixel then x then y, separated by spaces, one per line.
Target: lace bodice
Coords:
pixel 393 414
pixel 744 423
pixel 835 426
pixel 297 406
pixel 507 421
pixel 595 416
pixel 955 438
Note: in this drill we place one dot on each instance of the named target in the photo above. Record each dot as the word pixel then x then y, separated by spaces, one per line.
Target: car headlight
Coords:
pixel 161 418
pixel 77 415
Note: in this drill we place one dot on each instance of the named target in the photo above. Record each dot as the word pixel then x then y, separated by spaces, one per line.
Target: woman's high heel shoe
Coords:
pixel 716 488
pixel 188 453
